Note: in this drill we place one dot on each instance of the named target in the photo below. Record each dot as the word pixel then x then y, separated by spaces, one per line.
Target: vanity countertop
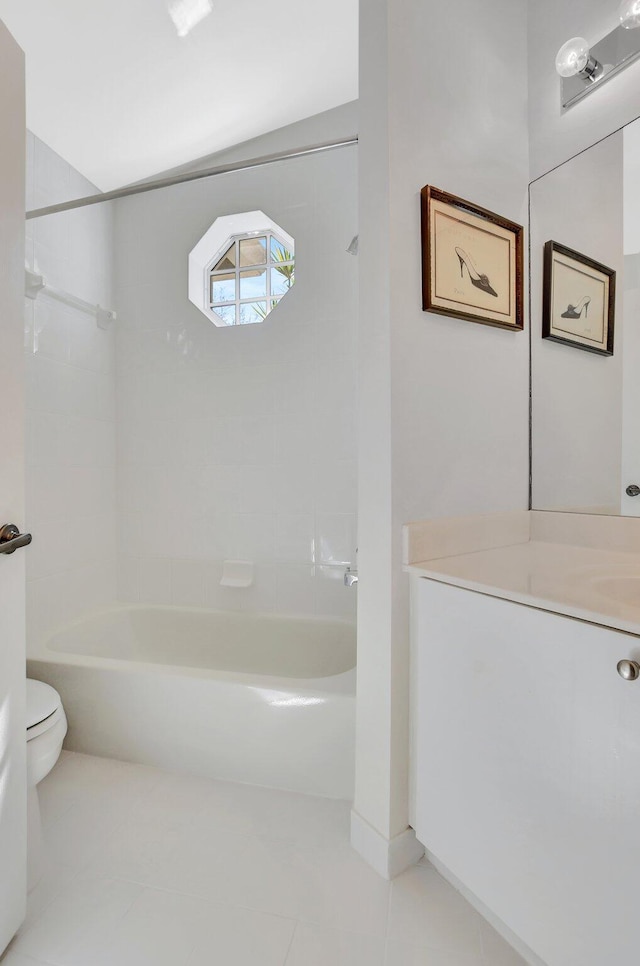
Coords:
pixel 596 584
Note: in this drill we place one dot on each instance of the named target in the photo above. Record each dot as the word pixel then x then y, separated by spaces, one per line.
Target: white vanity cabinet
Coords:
pixel 526 769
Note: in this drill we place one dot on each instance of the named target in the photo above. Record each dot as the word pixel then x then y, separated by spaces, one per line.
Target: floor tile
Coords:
pixel 147 868
pixel 239 937
pixel 339 889
pixel 73 929
pixel 321 946
pixel 54 879
pixel 84 799
pixel 401 953
pixel 167 929
pixel 141 849
pixel 12 958
pixel 266 877
pixel 77 836
pixel 426 911
pixel 495 951
pixel 285 815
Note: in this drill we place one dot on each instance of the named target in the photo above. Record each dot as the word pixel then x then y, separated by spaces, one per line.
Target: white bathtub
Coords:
pixel 260 699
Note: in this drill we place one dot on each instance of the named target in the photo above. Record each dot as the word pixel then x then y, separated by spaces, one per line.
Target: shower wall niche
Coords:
pixel 167 445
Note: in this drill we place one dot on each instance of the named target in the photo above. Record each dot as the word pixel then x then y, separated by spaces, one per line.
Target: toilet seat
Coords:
pixel 46 729
pixel 44 708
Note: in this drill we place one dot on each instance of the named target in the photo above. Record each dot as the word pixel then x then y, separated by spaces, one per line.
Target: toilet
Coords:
pixel 46 728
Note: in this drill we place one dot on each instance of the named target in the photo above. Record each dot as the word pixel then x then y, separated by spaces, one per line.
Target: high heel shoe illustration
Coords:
pixel 575 311
pixel 480 281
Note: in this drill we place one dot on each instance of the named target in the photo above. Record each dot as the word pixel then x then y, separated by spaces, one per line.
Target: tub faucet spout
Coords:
pixel 350 577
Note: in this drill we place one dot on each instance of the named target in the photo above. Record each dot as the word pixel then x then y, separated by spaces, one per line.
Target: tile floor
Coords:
pixel 147 868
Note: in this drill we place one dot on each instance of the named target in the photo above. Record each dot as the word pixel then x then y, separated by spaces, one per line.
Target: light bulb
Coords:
pixel 573 57
pixel 629 14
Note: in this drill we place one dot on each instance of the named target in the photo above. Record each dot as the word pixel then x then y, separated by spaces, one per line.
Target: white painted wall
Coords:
pixel 577 395
pixel 240 443
pixel 116 91
pixel 70 399
pixel 631 135
pixel 555 136
pixel 443 402
pixel 341 122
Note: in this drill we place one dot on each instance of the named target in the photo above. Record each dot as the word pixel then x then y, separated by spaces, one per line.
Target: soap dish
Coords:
pixel 237 573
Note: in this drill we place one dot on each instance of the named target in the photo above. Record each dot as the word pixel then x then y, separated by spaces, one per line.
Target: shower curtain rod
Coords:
pixel 191 176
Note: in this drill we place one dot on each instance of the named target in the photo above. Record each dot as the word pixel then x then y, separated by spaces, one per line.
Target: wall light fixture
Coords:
pixel 582 68
pixel 629 14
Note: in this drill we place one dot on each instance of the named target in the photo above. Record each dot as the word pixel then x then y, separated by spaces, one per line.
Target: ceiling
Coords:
pixel 115 91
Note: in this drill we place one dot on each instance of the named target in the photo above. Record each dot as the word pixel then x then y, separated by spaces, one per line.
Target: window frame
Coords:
pixel 269 300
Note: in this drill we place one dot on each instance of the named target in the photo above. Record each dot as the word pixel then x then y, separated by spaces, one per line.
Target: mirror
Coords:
pixel 585 351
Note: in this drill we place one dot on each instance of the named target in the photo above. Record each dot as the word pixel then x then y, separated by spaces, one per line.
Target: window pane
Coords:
pixel 253 312
pixel 223 288
pixel 227 313
pixel 253 251
pixel 253 285
pixel 278 251
pixel 228 260
pixel 282 279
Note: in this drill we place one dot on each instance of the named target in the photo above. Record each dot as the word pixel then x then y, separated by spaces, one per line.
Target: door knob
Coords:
pixel 633 490
pixel 629 670
pixel 11 539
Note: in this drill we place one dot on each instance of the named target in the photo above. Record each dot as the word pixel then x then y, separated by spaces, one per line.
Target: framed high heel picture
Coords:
pixel 579 300
pixel 472 262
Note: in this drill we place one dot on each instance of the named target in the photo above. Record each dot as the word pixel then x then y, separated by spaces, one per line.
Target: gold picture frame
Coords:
pixel 579 300
pixel 472 262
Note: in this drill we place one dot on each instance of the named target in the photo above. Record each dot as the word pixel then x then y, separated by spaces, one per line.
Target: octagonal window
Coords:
pixel 241 269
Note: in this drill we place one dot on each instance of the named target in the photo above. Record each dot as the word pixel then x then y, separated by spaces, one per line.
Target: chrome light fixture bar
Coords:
pixel 582 68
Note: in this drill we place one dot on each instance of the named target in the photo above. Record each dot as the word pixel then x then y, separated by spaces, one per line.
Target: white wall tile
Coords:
pixel 51 337
pixel 70 397
pixel 253 536
pixel 295 538
pixel 154 581
pixel 187 583
pixel 235 435
pixel 258 493
pixel 243 438
pixel 128 570
pixel 258 439
pixel 295 438
pixel 336 538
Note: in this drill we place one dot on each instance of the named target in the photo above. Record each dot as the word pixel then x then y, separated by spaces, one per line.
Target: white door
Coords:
pixel 12 567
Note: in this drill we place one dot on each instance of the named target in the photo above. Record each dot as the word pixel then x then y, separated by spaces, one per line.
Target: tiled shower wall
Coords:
pixel 70 403
pixel 239 443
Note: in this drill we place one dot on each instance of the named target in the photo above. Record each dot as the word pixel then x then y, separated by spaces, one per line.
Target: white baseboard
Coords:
pixel 527 954
pixel 389 857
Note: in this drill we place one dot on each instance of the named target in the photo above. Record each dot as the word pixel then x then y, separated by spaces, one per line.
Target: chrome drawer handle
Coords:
pixel 629 670
pixel 633 490
pixel 11 539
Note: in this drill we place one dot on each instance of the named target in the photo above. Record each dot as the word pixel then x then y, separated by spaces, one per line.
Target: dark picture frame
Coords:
pixel 472 262
pixel 565 315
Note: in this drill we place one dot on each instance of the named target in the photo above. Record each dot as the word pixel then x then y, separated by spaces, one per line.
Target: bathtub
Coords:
pixel 260 699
